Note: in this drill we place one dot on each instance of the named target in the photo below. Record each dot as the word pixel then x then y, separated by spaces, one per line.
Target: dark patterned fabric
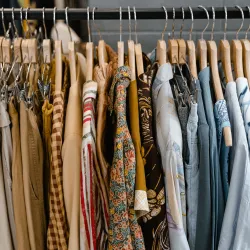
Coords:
pixel 154 223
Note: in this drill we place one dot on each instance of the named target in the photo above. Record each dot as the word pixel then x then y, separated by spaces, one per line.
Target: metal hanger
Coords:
pixel 191 52
pixel 202 45
pixel 138 50
pixel 120 44
pixel 182 48
pixel 161 49
pixel 89 52
pixel 173 52
pixel 237 55
pixel 246 53
pixel 225 53
pixel 131 50
pixel 46 44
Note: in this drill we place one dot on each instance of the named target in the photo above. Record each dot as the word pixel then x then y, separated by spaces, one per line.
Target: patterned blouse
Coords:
pixel 124 230
pixel 93 207
pixel 154 224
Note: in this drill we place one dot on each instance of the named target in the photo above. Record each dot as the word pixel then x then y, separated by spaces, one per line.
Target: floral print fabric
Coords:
pixel 124 230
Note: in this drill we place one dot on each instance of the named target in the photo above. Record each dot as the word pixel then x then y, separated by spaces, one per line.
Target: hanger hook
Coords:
pixel 212 31
pixel 202 33
pixel 183 19
pixel 129 23
pixel 166 23
pixel 88 25
pixel 93 18
pixel 242 16
pixel 67 22
pixel 54 21
pixel 173 23
pixel 21 18
pixel 120 23
pixel 225 25
pixel 44 26
pixel 192 23
pixel 26 18
pixel 13 22
pixel 249 24
pixel 136 38
pixel 4 28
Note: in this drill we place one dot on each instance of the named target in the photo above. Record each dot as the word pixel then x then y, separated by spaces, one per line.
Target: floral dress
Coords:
pixel 124 230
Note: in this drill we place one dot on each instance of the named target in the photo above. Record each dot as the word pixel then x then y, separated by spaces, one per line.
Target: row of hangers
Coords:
pixel 26 51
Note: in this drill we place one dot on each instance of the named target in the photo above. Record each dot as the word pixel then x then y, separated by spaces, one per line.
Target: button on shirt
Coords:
pixel 169 140
pixel 236 223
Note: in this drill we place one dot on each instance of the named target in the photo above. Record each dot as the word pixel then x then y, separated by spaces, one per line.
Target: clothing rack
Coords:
pixel 113 14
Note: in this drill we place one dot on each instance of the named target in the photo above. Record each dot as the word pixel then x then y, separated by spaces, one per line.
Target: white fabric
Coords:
pixel 236 223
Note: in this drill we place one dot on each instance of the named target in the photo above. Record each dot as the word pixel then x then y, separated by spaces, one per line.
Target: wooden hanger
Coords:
pixel 173 47
pixel 191 49
pixel 120 44
pixel 131 51
pixel 202 45
pixel 236 51
pixel 46 43
pixel 213 61
pixel 102 53
pixel 246 54
pixel 138 51
pixel 161 49
pixel 225 54
pixel 72 52
pixel 182 49
pixel 89 53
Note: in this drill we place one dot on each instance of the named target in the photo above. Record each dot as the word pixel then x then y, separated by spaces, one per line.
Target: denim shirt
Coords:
pixel 244 101
pixel 217 194
pixel 236 223
pixel 169 139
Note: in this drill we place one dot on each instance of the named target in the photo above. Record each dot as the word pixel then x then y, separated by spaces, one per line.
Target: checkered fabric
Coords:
pixel 58 233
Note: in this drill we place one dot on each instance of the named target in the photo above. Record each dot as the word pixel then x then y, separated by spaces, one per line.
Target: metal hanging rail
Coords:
pixel 113 14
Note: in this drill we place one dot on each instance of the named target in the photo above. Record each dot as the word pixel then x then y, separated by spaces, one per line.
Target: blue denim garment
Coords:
pixel 218 204
pixel 192 175
pixel 203 239
pixel 244 101
pixel 236 223
pixel 222 120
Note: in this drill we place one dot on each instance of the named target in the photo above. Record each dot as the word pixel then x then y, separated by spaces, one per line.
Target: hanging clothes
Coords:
pixel 235 227
pixel 6 151
pixel 124 230
pixel 169 140
pixel 32 160
pixel 22 235
pixel 154 223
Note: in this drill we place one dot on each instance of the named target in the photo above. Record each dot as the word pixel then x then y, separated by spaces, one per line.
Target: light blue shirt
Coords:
pixel 236 223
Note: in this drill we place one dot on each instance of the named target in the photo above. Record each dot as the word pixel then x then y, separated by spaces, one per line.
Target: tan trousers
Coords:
pixel 32 159
pixel 22 235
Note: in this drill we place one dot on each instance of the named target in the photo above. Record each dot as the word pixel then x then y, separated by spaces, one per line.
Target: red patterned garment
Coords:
pixel 93 196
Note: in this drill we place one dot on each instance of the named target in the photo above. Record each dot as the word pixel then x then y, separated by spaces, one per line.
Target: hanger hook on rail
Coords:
pixel 242 21
pixel 54 22
pixel 89 36
pixel 202 33
pixel 166 23
pixel 212 30
pixel 93 19
pixel 26 19
pixel 225 25
pixel 120 9
pixel 4 28
pixel 249 23
pixel 173 24
pixel 21 19
pixel 129 23
pixel 136 38
pixel 44 25
pixel 67 22
pixel 13 23
pixel 182 24
pixel 192 23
